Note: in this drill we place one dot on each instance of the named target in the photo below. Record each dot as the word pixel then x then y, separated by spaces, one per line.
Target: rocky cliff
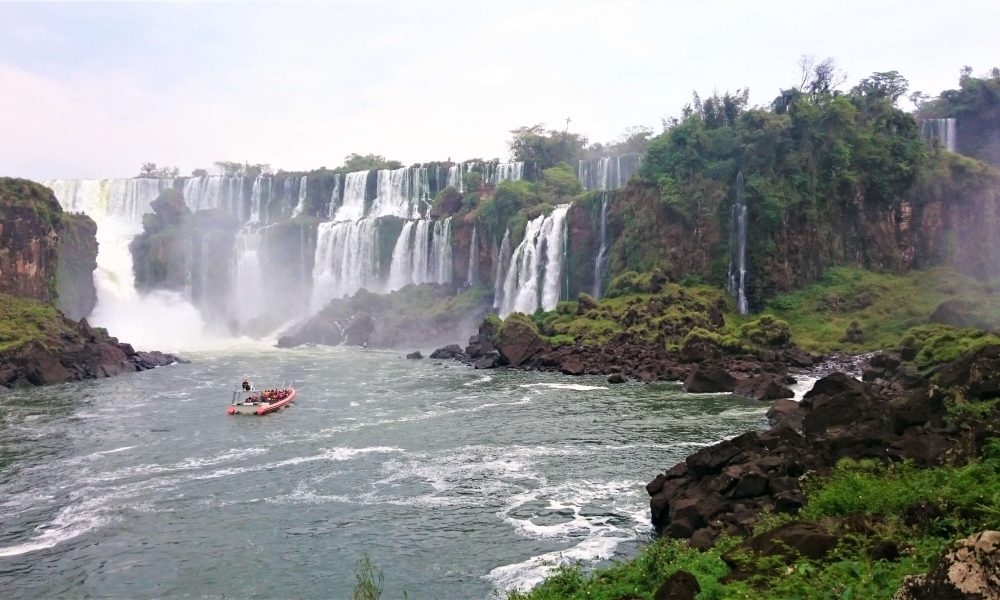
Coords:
pixel 77 260
pixel 30 220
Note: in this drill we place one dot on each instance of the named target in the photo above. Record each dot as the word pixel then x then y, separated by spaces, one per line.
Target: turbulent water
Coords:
pixel 457 483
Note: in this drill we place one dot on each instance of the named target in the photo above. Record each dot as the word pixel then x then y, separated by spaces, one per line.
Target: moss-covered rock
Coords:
pixel 518 339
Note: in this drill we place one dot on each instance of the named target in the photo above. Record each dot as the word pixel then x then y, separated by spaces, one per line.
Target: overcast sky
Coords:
pixel 95 90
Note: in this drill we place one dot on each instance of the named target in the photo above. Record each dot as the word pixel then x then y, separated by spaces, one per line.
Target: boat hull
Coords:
pixel 263 408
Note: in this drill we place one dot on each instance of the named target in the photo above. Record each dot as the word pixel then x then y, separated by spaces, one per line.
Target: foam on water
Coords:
pixel 564 386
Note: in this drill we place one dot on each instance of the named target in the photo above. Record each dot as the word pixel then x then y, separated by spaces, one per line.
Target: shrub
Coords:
pixel 766 330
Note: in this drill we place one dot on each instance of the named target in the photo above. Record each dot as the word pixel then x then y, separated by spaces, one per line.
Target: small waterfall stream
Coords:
pixel 738 248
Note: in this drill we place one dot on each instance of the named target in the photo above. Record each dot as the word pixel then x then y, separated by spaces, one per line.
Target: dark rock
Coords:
pixel 703 539
pixel 415 355
pixel 711 459
pixel 572 366
pixel 797 538
pixel 681 585
pixel 617 378
pixel 518 340
pixel 886 550
pixel 359 330
pixel 449 351
pixel 786 412
pixel 490 360
pixel 763 387
pixel 711 379
pixel 833 384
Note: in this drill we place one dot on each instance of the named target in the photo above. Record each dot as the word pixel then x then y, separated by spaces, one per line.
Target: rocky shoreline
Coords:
pixel 80 352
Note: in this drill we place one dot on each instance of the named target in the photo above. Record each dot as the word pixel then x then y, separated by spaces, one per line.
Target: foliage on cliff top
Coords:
pixel 883 306
pixel 24 320
pixel 663 317
pixel 23 193
pixel 963 501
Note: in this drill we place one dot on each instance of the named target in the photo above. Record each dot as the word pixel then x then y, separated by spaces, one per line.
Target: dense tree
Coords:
pixel 151 171
pixel 368 162
pixel 545 147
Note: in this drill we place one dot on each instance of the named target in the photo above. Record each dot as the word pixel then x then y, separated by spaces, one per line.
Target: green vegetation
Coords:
pixel 370 580
pixel 21 193
pixel 23 320
pixel 864 503
pixel 936 344
pixel 884 306
pixel 664 315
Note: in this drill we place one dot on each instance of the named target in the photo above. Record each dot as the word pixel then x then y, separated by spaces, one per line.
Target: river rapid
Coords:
pixel 456 483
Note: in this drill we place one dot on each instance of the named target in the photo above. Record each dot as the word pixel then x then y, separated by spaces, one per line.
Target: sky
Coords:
pixel 96 90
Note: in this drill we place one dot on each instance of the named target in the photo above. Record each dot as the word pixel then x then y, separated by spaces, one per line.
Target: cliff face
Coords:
pixel 950 217
pixel 77 261
pixel 30 219
pixel 161 253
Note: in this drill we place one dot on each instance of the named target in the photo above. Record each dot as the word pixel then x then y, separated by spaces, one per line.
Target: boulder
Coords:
pixel 518 340
pixel 969 570
pixel 361 327
pixel 490 360
pixel 415 355
pixel 681 585
pixel 617 378
pixel 710 379
pixel 797 538
pixel 449 351
pixel 572 366
pixel 767 386
pixel 786 412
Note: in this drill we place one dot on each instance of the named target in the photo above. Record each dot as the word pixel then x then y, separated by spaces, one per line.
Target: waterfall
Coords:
pixel 303 187
pixel 256 198
pixel 473 273
pixel 422 254
pixel 503 263
pixel 335 197
pixel 608 172
pixel 601 258
pixel 495 173
pixel 944 130
pixel 161 320
pixel 353 206
pixel 534 278
pixel 248 285
pixel 400 192
pixel 455 178
pixel 440 261
pixel 738 248
pixel 203 193
pixel 346 260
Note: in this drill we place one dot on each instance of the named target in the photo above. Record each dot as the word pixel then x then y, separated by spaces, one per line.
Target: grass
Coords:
pixel 967 499
pixel 883 306
pixel 23 320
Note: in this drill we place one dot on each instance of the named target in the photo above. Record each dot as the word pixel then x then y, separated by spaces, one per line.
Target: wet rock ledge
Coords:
pixel 78 351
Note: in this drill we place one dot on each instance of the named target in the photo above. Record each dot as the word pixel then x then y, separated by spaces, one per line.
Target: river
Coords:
pixel 456 483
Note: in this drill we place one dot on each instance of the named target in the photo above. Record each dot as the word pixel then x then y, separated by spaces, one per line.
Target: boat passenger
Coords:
pixel 246 385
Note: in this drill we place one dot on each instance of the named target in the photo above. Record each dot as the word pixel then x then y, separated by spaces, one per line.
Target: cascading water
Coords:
pixel 422 254
pixel 401 192
pixel 455 177
pixel 534 278
pixel 248 288
pixel 608 172
pixel 203 193
pixel 473 274
pixel 161 320
pixel 943 130
pixel 303 187
pixel 335 197
pixel 347 260
pixel 352 208
pixel 503 263
pixel 440 261
pixel 738 248
pixel 601 258
pixel 495 173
